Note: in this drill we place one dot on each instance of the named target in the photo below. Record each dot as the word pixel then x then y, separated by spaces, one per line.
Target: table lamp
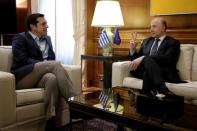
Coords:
pixel 107 14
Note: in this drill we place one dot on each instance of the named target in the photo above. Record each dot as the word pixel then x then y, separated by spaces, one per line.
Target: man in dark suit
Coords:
pixel 34 64
pixel 155 61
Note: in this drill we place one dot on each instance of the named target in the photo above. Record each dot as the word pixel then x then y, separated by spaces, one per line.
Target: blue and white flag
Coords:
pixel 103 39
pixel 117 39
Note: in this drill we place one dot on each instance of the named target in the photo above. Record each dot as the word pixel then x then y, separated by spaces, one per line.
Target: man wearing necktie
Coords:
pixel 155 61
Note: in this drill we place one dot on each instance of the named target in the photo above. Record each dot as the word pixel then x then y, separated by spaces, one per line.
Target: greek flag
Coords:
pixel 104 97
pixel 117 39
pixel 103 39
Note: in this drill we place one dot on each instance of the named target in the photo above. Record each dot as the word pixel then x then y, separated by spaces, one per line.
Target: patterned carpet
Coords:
pixel 93 125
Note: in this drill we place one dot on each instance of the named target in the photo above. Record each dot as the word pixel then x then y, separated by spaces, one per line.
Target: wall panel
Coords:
pixel 137 18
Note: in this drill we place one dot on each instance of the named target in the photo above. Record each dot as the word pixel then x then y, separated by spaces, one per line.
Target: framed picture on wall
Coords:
pixel 173 7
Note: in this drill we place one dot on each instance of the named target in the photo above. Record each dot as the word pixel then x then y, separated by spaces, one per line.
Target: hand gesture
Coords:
pixel 133 40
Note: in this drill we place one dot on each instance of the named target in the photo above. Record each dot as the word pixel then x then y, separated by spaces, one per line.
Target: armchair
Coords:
pixel 186 65
pixel 24 109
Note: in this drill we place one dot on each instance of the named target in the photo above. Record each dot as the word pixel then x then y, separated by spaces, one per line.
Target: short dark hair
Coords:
pixel 32 19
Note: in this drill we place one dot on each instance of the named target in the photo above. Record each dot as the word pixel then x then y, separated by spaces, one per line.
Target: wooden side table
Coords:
pixel 107 66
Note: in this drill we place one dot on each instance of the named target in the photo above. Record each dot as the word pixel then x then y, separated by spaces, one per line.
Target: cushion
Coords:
pixel 194 65
pixel 5 58
pixel 132 82
pixel 30 111
pixel 29 96
pixel 119 71
pixel 185 61
pixel 189 90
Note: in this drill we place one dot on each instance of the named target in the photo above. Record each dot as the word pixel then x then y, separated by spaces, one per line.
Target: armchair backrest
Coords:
pixel 187 62
pixel 5 58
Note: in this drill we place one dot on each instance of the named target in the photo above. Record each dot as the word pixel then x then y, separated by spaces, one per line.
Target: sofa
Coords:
pixel 23 110
pixel 187 66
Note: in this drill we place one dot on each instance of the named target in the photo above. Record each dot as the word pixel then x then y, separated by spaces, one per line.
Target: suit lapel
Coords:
pixel 163 44
pixel 33 43
pixel 48 42
pixel 148 45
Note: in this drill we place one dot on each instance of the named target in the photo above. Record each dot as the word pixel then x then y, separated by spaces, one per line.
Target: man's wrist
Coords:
pixel 143 57
pixel 132 51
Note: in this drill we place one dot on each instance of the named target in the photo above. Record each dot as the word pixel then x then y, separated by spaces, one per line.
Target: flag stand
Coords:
pixel 108 50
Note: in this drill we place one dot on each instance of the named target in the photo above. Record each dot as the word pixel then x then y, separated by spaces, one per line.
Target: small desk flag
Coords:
pixel 103 39
pixel 117 39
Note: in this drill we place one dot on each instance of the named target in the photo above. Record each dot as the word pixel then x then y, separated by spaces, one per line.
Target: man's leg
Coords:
pixel 153 71
pixel 150 72
pixel 141 73
pixel 63 81
pixel 155 76
pixel 49 82
pixel 147 86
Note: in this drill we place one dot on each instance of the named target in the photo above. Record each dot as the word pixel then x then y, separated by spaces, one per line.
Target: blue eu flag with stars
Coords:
pixel 117 39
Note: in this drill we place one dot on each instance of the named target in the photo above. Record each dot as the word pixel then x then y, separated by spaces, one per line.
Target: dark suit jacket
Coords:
pixel 167 56
pixel 26 53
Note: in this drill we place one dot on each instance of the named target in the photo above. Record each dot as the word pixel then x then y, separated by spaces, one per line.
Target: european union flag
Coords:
pixel 103 39
pixel 117 39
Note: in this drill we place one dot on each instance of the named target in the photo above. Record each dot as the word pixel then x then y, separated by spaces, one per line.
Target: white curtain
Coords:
pixel 58 13
pixel 80 29
pixel 67 27
pixel 80 33
pixel 34 6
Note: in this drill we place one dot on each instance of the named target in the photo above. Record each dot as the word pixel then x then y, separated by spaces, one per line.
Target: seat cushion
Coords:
pixel 132 82
pixel 29 96
pixel 189 90
pixel 29 112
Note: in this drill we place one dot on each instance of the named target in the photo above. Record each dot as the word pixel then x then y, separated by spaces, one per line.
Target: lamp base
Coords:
pixel 108 50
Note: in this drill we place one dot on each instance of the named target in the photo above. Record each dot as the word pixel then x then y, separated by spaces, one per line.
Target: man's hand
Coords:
pixel 133 42
pixel 135 63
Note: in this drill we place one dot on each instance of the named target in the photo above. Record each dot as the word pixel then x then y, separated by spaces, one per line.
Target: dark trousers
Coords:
pixel 150 72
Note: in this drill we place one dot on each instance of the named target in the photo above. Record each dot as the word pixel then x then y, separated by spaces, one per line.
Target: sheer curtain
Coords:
pixel 58 13
pixel 80 29
pixel 34 6
pixel 79 9
pixel 67 27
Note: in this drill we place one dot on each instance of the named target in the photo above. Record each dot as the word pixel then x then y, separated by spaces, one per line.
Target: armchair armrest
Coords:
pixel 119 71
pixel 7 99
pixel 74 72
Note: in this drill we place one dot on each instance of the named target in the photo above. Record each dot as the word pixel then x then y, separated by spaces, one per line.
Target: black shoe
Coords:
pixel 151 93
pixel 50 125
pixel 164 90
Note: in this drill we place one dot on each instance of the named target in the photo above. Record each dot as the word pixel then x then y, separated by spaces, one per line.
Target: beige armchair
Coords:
pixel 187 70
pixel 24 109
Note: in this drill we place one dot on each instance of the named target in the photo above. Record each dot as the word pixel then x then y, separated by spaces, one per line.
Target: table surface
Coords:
pixel 106 58
pixel 85 104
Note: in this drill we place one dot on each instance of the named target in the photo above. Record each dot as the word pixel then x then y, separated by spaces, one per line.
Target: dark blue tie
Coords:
pixel 155 46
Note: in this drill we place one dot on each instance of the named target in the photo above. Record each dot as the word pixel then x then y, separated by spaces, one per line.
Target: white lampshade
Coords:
pixel 107 14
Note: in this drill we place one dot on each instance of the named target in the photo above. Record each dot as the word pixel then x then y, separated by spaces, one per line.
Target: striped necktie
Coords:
pixel 155 46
